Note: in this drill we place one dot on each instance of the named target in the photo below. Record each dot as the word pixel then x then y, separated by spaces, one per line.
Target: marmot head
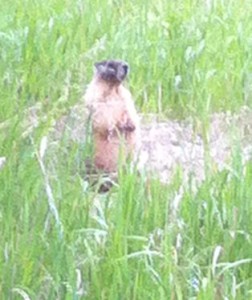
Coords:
pixel 112 71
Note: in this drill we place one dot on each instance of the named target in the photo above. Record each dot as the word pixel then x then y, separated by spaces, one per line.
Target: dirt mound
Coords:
pixel 172 144
pixel 169 145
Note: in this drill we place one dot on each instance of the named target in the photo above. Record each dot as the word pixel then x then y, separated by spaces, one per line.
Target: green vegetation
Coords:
pixel 187 58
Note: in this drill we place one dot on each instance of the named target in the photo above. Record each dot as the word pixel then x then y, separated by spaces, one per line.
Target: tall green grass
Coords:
pixel 187 58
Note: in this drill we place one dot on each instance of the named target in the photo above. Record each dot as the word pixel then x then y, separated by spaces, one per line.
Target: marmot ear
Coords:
pixel 99 66
pixel 96 65
pixel 126 67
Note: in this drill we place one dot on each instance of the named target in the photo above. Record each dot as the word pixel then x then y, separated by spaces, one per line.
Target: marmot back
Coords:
pixel 115 122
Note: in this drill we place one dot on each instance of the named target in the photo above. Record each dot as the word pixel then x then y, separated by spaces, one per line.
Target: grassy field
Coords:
pixel 187 58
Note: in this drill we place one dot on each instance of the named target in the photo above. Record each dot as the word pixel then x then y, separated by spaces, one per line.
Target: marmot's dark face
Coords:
pixel 112 71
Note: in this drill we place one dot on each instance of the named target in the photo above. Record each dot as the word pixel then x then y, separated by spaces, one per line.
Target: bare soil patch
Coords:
pixel 171 144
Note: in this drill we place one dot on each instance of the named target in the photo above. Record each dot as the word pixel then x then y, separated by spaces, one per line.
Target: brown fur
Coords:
pixel 114 118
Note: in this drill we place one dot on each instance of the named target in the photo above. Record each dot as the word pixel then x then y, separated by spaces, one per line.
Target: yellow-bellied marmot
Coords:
pixel 115 122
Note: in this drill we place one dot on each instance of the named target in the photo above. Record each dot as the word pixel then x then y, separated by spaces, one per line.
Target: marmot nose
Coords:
pixel 111 71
